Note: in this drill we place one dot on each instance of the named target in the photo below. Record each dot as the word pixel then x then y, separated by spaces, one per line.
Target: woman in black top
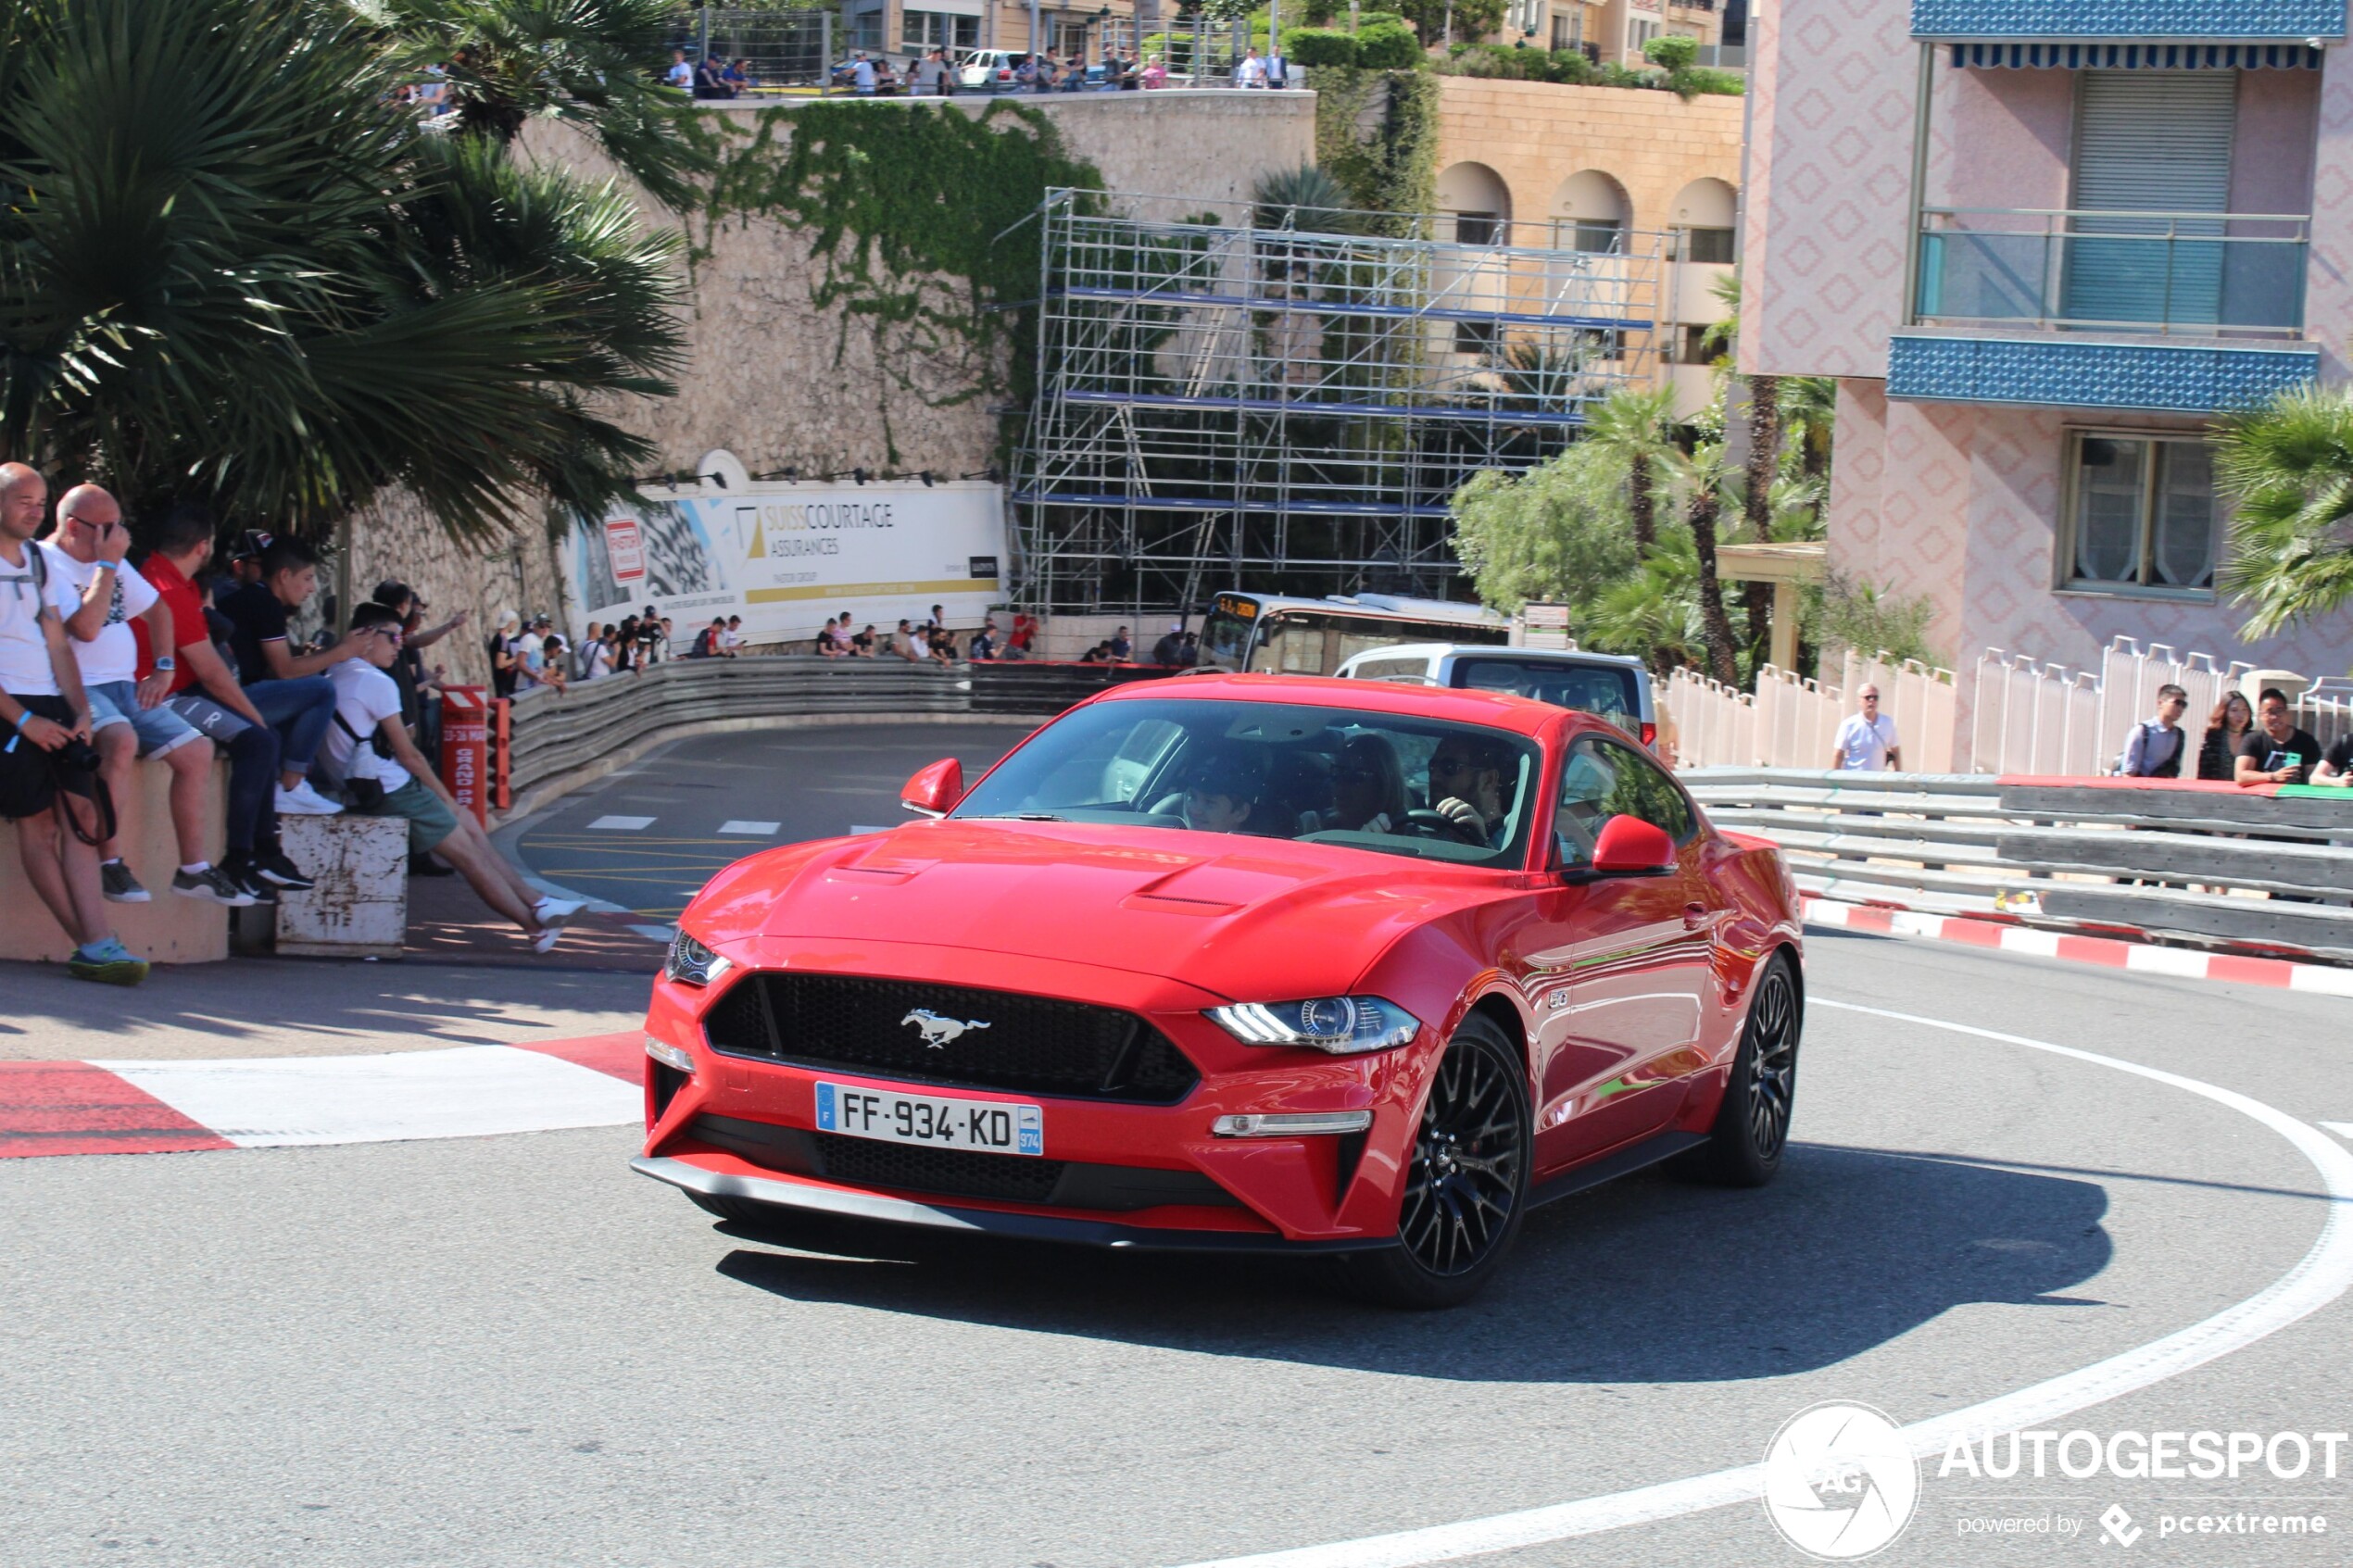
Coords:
pixel 2226 728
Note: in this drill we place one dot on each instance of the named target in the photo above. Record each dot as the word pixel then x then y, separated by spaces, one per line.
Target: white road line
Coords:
pixel 756 830
pixel 621 824
pixel 2341 1129
pixel 871 827
pixel 2319 1278
pixel 467 1091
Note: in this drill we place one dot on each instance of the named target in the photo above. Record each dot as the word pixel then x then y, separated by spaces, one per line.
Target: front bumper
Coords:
pixel 707 1131
pixel 809 1197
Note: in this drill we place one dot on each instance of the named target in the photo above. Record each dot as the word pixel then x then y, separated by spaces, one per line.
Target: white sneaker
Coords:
pixel 304 801
pixel 546 939
pixel 552 911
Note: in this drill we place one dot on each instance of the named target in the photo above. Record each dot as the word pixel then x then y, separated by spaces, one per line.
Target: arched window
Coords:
pixel 1703 216
pixel 1591 213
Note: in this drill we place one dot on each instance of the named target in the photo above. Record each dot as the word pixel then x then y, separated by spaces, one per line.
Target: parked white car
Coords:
pixel 990 70
pixel 1612 686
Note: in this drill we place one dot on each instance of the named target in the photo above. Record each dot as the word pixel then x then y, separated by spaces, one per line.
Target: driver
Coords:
pixel 1467 787
pixel 1223 792
pixel 1368 787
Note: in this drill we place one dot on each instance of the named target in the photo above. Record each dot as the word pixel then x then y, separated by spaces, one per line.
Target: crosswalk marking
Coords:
pixel 756 830
pixel 622 824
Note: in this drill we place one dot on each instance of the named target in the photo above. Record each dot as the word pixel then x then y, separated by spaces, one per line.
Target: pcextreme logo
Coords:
pixel 1839 1483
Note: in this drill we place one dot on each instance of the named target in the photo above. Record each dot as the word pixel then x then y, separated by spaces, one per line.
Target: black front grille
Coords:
pixel 963 1172
pixel 1032 1045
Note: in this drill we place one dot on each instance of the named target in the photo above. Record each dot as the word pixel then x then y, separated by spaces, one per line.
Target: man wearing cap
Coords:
pixel 1170 649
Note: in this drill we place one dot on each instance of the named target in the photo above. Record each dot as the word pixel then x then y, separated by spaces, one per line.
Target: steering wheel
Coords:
pixel 1437 825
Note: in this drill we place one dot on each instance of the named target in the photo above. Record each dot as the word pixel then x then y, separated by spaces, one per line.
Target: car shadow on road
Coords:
pixel 1646 1280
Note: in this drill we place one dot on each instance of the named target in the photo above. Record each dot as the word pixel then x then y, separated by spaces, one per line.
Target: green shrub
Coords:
pixel 1376 19
pixel 1389 46
pixel 1671 52
pixel 1319 47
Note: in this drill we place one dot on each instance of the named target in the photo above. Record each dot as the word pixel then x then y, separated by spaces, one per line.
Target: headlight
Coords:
pixel 1342 1025
pixel 691 963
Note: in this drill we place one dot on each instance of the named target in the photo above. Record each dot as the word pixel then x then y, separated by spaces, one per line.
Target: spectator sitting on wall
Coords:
pixel 710 80
pixel 1024 636
pixel 738 77
pixel 2154 749
pixel 2276 751
pixel 1154 75
pixel 732 643
pixel 708 642
pixel 904 645
pixel 830 642
pixel 943 645
pixel 1121 647
pixel 862 645
pixel 1170 649
pixel 369 750
pixel 289 689
pixel 984 642
pixel 244 564
pixel 1099 653
pixel 681 74
pixel 127 714
pixel 46 711
pixel 1191 654
pixel 203 691
pixel 2218 753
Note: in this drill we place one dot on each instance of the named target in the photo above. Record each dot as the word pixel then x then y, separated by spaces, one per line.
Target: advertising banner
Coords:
pixel 788 556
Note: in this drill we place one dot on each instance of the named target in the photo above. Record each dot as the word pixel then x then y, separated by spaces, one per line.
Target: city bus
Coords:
pixel 1266 632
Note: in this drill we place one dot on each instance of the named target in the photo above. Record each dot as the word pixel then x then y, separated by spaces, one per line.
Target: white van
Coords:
pixel 1612 686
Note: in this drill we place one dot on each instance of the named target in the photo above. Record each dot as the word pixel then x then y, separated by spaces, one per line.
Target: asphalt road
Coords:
pixel 512 1351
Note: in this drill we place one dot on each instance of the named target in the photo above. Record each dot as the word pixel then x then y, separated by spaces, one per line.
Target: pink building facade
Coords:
pixel 2042 244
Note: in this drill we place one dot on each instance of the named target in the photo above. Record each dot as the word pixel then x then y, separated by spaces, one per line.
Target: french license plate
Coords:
pixel 932 1121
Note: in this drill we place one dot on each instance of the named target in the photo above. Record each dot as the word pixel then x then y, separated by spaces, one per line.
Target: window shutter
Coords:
pixel 2150 142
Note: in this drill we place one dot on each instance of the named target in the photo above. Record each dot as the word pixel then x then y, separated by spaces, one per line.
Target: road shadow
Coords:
pixel 1646 1280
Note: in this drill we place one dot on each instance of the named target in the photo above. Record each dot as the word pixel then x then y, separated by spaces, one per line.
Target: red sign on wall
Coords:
pixel 626 549
pixel 465 748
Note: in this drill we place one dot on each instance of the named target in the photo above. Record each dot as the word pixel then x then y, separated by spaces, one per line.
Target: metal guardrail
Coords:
pixel 1049 688
pixel 552 733
pixel 2201 863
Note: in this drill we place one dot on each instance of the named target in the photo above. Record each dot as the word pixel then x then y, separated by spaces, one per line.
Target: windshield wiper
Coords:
pixel 1017 817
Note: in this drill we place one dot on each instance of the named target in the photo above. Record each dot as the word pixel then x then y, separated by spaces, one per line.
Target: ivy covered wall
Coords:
pixel 1376 133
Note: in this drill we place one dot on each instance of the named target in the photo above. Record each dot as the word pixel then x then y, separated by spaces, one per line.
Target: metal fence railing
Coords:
pixel 777 49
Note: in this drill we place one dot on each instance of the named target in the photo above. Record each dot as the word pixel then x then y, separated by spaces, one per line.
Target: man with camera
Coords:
pixel 383 775
pixel 47 753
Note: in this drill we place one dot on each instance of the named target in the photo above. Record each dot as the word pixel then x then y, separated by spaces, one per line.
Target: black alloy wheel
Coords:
pixel 1466 1187
pixel 1752 1127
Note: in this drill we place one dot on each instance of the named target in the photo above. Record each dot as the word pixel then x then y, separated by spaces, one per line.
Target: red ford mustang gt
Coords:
pixel 1242 962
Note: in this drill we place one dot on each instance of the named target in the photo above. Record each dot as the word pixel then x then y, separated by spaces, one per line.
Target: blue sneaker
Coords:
pixel 107 962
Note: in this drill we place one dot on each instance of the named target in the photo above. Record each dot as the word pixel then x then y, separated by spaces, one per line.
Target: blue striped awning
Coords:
pixel 2135 57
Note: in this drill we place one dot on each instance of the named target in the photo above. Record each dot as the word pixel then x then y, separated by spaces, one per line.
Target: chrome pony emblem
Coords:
pixel 940 1033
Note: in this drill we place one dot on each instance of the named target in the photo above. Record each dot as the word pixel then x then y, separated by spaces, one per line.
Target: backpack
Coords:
pixel 2171 767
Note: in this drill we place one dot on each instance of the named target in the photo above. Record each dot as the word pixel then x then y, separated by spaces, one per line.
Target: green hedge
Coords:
pixel 1388 46
pixel 1319 47
pixel 1569 67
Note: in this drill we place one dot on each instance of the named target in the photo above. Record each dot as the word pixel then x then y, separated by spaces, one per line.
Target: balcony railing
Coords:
pixel 2201 274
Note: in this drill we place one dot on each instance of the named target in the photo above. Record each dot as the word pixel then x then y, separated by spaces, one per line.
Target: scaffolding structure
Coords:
pixel 1279 406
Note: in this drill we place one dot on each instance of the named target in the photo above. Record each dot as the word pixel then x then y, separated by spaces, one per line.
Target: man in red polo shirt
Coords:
pixel 205 693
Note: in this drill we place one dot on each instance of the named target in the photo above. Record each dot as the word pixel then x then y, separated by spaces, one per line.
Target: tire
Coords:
pixel 1466 1188
pixel 1744 1147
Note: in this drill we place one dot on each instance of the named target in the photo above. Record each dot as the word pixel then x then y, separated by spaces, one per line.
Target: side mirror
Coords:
pixel 934 791
pixel 1630 846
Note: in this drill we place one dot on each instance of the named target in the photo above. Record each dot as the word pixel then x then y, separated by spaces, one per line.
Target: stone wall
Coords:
pixel 780 382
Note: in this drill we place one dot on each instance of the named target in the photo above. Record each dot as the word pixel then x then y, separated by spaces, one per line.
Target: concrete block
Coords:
pixel 360 905
pixel 168 930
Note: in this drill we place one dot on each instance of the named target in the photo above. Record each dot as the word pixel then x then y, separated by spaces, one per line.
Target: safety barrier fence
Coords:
pixel 2029 716
pixel 2269 870
pixel 1789 721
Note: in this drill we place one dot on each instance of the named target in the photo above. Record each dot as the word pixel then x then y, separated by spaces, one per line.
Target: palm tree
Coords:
pixel 1703 482
pixel 1809 409
pixel 235 268
pixel 1635 426
pixel 2288 466
pixel 1306 199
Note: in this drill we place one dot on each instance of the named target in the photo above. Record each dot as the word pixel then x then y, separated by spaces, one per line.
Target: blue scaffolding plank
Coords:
pixel 1219 504
pixel 1348 307
pixel 1312 406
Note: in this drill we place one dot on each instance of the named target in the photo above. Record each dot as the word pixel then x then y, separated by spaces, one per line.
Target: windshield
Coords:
pixel 1423 788
pixel 1609 690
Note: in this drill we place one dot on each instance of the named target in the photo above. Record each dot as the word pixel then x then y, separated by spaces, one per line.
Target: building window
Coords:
pixel 1475 337
pixel 1478 228
pixel 1069 40
pixel 2143 515
pixel 1695 347
pixel 1638 32
pixel 1568 27
pixel 1707 244
pixel 937 30
pixel 866 32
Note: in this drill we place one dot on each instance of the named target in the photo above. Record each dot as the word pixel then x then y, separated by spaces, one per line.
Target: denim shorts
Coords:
pixel 159 729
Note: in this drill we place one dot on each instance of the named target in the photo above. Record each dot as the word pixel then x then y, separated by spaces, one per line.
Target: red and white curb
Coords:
pixel 267 1102
pixel 2103 951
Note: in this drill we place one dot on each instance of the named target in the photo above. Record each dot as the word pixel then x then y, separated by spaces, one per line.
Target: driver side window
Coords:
pixel 1600 779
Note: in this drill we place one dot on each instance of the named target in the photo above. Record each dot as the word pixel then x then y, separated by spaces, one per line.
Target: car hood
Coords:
pixel 1239 917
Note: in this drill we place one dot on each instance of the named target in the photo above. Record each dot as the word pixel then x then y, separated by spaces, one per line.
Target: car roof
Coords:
pixel 1498 710
pixel 1496 651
